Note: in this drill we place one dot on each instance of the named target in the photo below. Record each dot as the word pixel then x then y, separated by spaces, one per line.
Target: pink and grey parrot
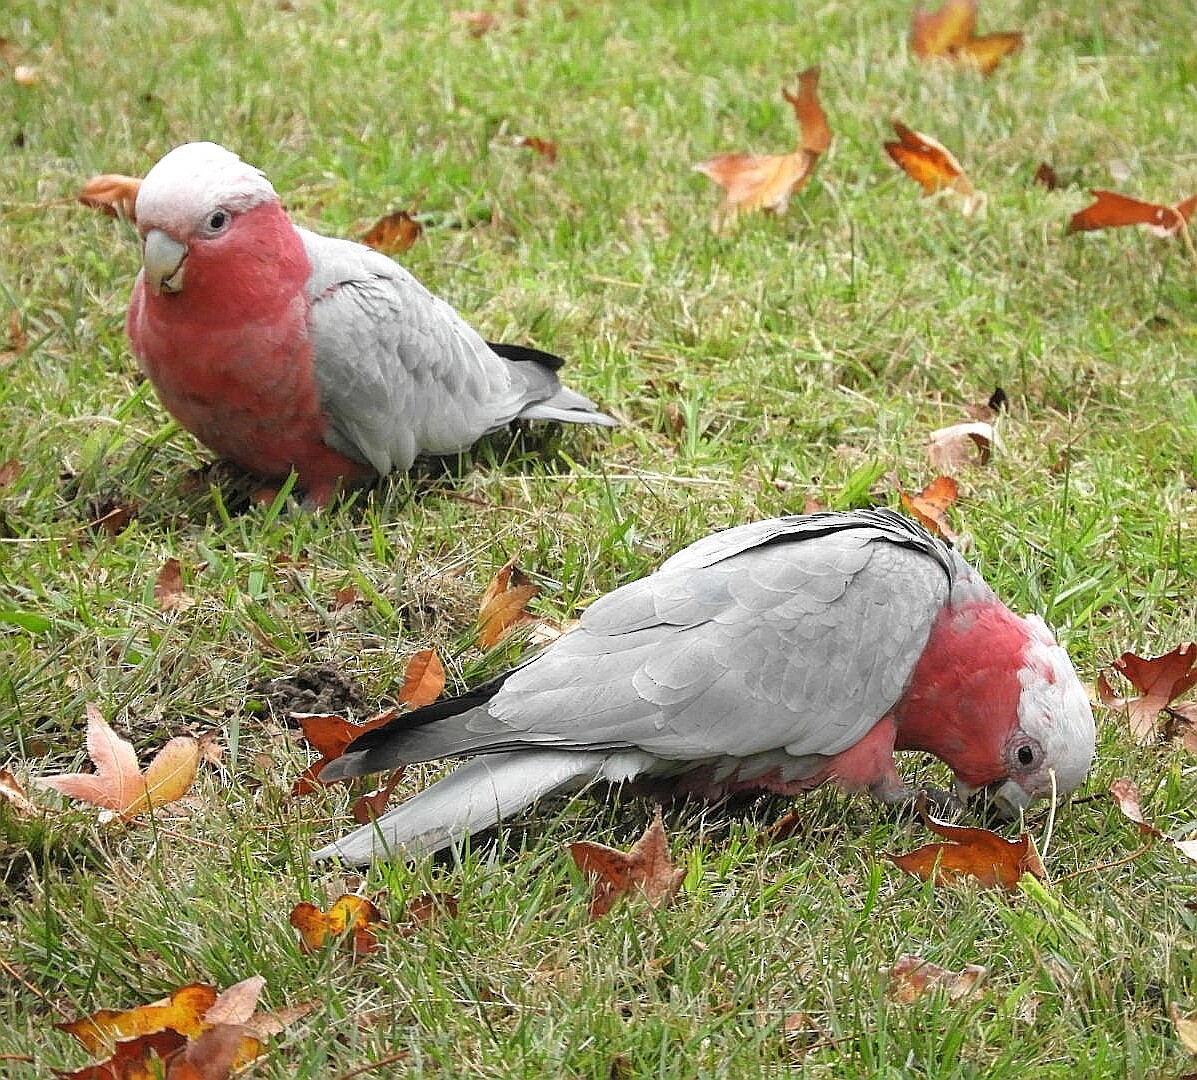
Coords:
pixel 281 349
pixel 774 656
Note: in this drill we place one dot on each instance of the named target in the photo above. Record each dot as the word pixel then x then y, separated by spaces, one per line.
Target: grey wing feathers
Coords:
pixel 797 632
pixel 400 372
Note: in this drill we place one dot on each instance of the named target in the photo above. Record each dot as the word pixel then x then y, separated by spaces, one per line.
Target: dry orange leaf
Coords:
pixel 329 735
pixel 911 977
pixel 1158 679
pixel 812 120
pixel 423 679
pixel 117 784
pixel 951 33
pixel 114 194
pixel 971 852
pixel 957 445
pixel 393 233
pixel 546 148
pixel 477 22
pixel 14 795
pixel 427 908
pixel 350 920
pixel 929 507
pixel 646 869
pixel 169 594
pixel 502 607
pixel 767 182
pixel 370 807
pixel 140 1058
pixel 195 1034
pixel 183 1012
pixel 931 165
pixel 1112 210
pixel 1125 793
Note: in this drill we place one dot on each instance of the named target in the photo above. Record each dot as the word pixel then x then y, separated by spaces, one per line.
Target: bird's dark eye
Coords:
pixel 1025 755
pixel 217 220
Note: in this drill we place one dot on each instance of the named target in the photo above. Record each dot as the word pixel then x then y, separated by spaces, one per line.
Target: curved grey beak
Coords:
pixel 163 259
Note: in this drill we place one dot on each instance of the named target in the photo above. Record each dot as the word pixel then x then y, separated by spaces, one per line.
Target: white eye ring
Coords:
pixel 218 221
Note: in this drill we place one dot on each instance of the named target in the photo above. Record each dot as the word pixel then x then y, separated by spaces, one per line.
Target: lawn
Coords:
pixel 791 358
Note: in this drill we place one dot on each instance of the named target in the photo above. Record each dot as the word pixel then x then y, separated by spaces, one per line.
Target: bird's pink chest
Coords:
pixel 241 381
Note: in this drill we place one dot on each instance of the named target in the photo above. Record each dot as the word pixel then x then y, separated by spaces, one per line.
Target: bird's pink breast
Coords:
pixel 230 355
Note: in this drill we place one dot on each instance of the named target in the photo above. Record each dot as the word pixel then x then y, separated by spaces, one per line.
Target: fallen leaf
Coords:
pixel 393 233
pixel 932 165
pixel 502 606
pixel 1181 725
pixel 1125 793
pixel 767 182
pixel 428 908
pixel 117 784
pixel 169 594
pixel 756 182
pixel 139 1058
pixel 329 735
pixel 1186 1027
pixel 1112 210
pixel 214 1055
pixel 929 506
pixel 350 921
pixel 546 148
pixel 16 342
pixel 183 1012
pixel 14 795
pixel 9 471
pixel 962 444
pixel 423 679
pixel 950 33
pixel 911 977
pixel 971 852
pixel 1047 177
pixel 370 807
pixel 646 870
pixel 114 194
pixel 815 132
pixel 345 598
pixel 476 22
pixel 1158 679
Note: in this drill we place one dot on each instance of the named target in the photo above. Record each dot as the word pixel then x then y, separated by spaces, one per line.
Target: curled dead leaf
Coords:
pixel 1159 680
pixel 169 593
pixel 393 233
pixel 951 448
pixel 929 507
pixel 502 606
pixel 912 977
pixel 351 921
pixel 114 194
pixel 646 869
pixel 1112 210
pixel 950 34
pixel 14 795
pixel 932 166
pixel 423 679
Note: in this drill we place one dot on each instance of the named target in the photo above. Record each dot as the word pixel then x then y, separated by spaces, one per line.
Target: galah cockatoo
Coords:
pixel 281 349
pixel 773 656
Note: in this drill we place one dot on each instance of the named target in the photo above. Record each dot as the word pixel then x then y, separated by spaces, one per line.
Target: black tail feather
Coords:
pixel 525 354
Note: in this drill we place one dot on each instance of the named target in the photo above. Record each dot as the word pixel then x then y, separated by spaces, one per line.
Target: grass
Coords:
pixel 802 356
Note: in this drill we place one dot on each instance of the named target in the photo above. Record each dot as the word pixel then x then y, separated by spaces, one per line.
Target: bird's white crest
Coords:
pixel 1053 708
pixel 195 178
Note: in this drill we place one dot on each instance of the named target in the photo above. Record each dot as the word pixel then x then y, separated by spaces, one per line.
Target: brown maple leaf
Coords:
pixel 1159 680
pixel 393 233
pixel 14 795
pixel 502 606
pixel 546 148
pixel 971 852
pixel 169 593
pixel 768 181
pixel 423 679
pixel 646 869
pixel 951 34
pixel 350 921
pixel 929 507
pixel 951 448
pixel 114 194
pixel 932 166
pixel 1125 793
pixel 1112 210
pixel 117 784
pixel 329 735
pixel 911 977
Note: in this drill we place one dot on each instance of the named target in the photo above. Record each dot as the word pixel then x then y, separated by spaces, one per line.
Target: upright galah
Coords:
pixel 281 349
pixel 773 656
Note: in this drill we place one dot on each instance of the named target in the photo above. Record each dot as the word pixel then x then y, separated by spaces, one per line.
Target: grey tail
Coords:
pixel 547 398
pixel 473 797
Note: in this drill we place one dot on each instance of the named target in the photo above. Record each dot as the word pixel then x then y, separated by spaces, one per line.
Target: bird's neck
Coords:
pixel 962 702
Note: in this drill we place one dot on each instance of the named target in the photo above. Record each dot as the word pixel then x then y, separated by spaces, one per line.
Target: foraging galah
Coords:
pixel 773 656
pixel 282 349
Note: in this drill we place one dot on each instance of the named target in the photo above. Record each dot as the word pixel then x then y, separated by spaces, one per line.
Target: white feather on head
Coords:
pixel 194 179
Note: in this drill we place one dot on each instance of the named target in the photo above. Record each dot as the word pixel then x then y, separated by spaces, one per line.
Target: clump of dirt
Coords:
pixel 321 689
